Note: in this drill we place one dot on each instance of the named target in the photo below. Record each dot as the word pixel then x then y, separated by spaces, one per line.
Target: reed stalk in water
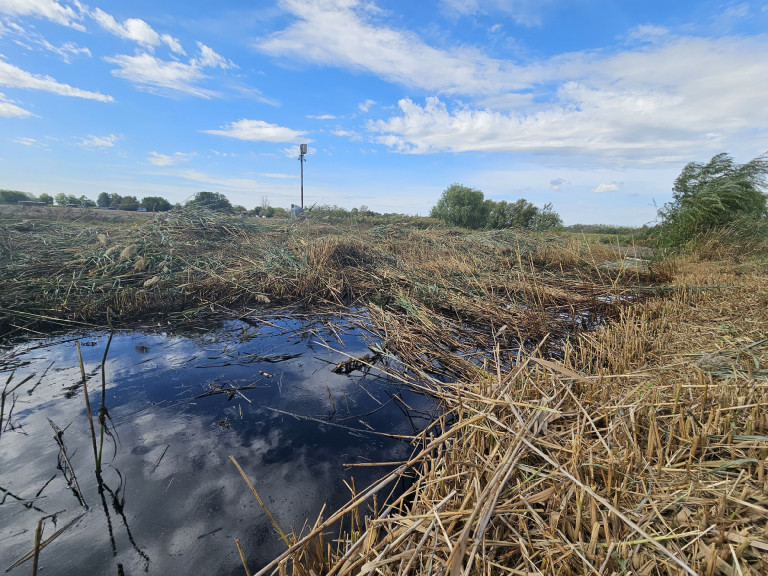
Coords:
pixel 96 459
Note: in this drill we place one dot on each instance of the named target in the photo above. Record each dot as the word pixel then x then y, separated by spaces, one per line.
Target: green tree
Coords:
pixel 462 206
pixel 211 201
pixel 13 196
pixel 546 219
pixel 64 199
pixel 129 203
pixel 85 202
pixel 102 200
pixel 47 198
pixel 519 214
pixel 155 204
pixel 707 196
pixel 115 200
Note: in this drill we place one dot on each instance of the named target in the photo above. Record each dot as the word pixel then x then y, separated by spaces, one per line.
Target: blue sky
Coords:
pixel 593 105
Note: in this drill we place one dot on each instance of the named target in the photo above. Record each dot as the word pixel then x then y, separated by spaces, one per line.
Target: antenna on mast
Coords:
pixel 302 153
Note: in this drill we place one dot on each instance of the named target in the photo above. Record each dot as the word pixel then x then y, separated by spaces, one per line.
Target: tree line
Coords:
pixel 467 207
pixel 203 199
pixel 104 200
pixel 705 196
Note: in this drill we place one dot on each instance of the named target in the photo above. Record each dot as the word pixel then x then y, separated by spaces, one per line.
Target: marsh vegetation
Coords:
pixel 602 412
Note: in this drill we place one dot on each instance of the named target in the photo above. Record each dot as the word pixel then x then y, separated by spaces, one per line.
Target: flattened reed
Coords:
pixel 640 450
pixel 183 262
pixel 586 430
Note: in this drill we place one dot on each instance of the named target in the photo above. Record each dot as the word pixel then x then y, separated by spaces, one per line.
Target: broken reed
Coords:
pixel 96 457
pixel 641 450
pixel 635 451
pixel 186 263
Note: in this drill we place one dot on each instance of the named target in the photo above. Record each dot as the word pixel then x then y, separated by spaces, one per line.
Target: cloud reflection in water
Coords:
pixel 177 501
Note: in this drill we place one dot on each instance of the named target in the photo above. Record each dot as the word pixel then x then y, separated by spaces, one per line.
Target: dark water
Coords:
pixel 173 501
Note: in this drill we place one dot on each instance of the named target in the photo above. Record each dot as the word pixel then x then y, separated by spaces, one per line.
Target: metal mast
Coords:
pixel 302 153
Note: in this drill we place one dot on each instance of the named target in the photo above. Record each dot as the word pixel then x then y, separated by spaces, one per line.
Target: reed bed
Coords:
pixel 639 449
pixel 602 415
pixel 184 263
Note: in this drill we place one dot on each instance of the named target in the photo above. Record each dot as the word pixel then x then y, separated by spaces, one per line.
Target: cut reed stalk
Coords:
pixel 616 457
pixel 96 459
pixel 103 414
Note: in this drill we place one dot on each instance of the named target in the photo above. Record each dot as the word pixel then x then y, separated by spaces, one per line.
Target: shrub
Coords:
pixel 462 206
pixel 708 196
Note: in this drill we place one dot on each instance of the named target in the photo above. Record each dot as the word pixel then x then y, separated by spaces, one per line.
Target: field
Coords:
pixel 604 413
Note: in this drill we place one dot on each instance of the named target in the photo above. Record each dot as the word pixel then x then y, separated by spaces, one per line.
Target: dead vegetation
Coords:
pixel 182 263
pixel 641 451
pixel 600 417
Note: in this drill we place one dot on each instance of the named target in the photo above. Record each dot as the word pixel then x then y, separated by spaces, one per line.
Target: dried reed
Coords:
pixel 641 449
pixel 594 423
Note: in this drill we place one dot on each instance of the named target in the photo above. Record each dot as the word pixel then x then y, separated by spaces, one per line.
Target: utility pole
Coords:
pixel 302 153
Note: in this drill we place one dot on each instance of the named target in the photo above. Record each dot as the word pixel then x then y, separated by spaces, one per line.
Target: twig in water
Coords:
pixel 38 537
pixel 88 410
pixel 5 393
pixel 242 557
pixel 330 416
pixel 44 543
pixel 159 459
pixel 69 473
pixel 103 414
pixel 261 502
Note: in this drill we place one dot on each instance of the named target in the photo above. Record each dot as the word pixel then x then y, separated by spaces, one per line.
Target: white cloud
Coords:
pixel 293 151
pixel 525 12
pixel 31 142
pixel 664 102
pixel 223 154
pixel 136 30
pixel 647 33
pixel 173 44
pixel 157 75
pixel 366 106
pixel 661 97
pixel 210 59
pixel 152 73
pixel 29 39
pixel 9 110
pixel 258 131
pixel 558 183
pixel 92 141
pixel 352 135
pixel 612 187
pixel 322 117
pixel 67 50
pixel 342 33
pixel 17 78
pixel 732 15
pixel 278 175
pixel 49 9
pixel 163 160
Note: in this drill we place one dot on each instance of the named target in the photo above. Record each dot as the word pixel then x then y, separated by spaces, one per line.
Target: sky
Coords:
pixel 592 105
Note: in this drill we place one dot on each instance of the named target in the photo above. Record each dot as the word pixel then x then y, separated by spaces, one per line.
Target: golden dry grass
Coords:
pixel 641 451
pixel 183 262
pixel 638 447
